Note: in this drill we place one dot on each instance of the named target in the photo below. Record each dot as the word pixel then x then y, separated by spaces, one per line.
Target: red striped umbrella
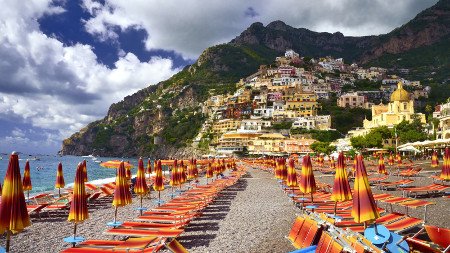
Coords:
pixel 341 186
pixel 128 171
pixel 174 175
pixel 13 210
pixel 307 181
pixel 445 174
pixel 434 160
pixel 158 184
pixel 195 169
pixel 78 207
pixel 399 159
pixel 209 172
pixel 85 171
pixel 364 207
pixel 182 173
pixel 190 170
pixel 59 179
pixel 283 169
pixel 122 195
pixel 26 183
pixel 291 175
pixel 332 163
pixel 140 187
pixel 381 166
pixel 391 159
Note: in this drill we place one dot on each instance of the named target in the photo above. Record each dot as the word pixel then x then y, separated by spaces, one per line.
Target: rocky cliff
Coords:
pixel 162 120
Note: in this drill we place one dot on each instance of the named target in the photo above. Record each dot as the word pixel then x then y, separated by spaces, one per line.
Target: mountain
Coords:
pixel 161 120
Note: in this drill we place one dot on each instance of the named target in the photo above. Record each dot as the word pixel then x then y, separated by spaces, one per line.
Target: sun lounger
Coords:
pixel 36 209
pixel 144 244
pixel 163 232
pixel 398 226
pixel 390 217
pixel 377 180
pixel 326 244
pixel 440 236
pixel 176 247
pixel 395 185
pixel 429 190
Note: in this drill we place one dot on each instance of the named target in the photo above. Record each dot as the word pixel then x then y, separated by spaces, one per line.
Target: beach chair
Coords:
pixel 394 185
pixel 427 190
pixel 31 209
pixel 440 236
pixel 415 203
pixel 326 244
pixel 298 223
pixel 134 232
pixel 307 234
pixel 144 244
pixel 377 180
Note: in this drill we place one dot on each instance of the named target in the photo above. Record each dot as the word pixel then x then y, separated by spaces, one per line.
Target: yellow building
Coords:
pixel 400 108
pixel 234 141
pixel 303 104
pixel 225 125
pixel 267 143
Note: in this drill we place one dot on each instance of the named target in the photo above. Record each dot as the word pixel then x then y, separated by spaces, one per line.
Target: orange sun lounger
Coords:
pixel 144 244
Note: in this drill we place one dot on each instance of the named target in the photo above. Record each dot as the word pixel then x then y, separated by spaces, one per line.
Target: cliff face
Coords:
pixel 162 120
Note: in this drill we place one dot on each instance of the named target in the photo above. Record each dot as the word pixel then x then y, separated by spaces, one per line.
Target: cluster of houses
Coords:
pixel 288 94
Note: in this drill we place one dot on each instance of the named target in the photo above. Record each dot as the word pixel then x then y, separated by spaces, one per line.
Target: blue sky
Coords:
pixel 62 63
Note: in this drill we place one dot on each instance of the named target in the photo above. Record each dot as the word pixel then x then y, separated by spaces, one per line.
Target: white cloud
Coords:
pixel 57 87
pixel 188 27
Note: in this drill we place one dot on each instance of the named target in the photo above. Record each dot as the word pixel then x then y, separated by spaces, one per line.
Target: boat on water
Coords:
pixel 88 156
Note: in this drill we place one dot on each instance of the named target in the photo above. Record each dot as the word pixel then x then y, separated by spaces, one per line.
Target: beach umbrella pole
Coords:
pixel 115 214
pixel 335 207
pixel 59 192
pixel 159 198
pixel 8 239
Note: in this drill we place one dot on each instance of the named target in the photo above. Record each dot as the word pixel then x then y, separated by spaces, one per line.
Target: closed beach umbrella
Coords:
pixel 381 166
pixel 364 207
pixel 128 171
pixel 332 163
pixel 391 159
pixel 78 207
pixel 158 185
pixel 195 169
pixel 140 187
pixel 13 210
pixel 283 170
pixel 291 175
pixel 1 189
pixel 174 175
pixel 209 172
pixel 190 170
pixel 85 171
pixel 182 173
pixel 122 195
pixel 277 169
pixel 26 183
pixel 434 160
pixel 341 186
pixel 307 181
pixel 445 174
pixel 399 159
pixel 59 179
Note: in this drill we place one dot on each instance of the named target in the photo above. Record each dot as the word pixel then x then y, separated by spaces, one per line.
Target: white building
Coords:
pixel 254 124
pixel 319 122
pixel 291 54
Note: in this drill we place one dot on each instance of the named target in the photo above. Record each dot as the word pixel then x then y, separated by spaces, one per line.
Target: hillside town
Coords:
pixel 275 109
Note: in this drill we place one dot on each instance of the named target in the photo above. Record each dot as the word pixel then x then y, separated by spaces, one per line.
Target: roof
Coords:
pixel 272 136
pixel 400 94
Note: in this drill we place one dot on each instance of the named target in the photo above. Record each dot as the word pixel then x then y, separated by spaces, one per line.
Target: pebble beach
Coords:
pixel 253 215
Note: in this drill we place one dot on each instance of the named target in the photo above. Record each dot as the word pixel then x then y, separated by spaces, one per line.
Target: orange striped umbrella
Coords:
pixel 341 186
pixel 114 164
pixel 182 173
pixel 59 179
pixel 174 175
pixel 277 169
pixel 128 171
pixel 381 166
pixel 78 207
pixel 1 189
pixel 158 185
pixel 307 181
pixel 190 170
pixel 85 171
pixel 26 183
pixel 13 210
pixel 399 159
pixel 195 169
pixel 209 172
pixel 364 207
pixel 283 169
pixel 391 159
pixel 445 174
pixel 140 187
pixel 122 195
pixel 332 163
pixel 291 175
pixel 434 160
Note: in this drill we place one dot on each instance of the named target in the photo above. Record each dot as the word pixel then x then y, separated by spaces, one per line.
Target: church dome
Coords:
pixel 400 94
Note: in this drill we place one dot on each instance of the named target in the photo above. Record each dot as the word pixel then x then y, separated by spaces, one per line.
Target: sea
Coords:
pixel 43 169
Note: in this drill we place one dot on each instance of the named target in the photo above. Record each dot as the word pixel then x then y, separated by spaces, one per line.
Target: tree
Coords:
pixel 322 147
pixel 358 142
